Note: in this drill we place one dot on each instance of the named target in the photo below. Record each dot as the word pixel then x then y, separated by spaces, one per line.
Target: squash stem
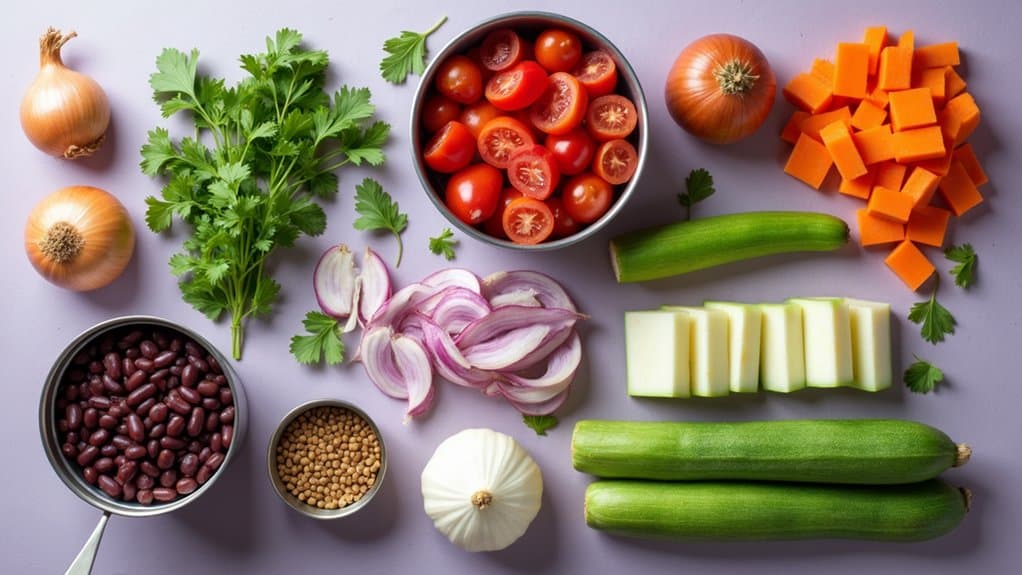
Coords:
pixel 962 455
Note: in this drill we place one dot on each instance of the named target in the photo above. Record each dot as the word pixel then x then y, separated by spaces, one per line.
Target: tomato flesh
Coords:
pixel 564 226
pixel 500 50
pixel 494 225
pixel 460 79
pixel 587 197
pixel 528 221
pixel 611 117
pixel 558 50
pixel 437 111
pixel 475 116
pixel 616 161
pixel 597 72
pixel 562 107
pixel 533 171
pixel 473 192
pixel 450 149
pixel 518 87
pixel 500 138
pixel 572 151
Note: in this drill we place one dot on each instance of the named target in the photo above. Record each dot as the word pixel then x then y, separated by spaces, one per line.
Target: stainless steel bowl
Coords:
pixel 67 471
pixel 291 500
pixel 628 85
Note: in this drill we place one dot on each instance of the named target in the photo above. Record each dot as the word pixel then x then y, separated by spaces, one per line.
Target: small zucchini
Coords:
pixel 765 511
pixel 706 242
pixel 854 451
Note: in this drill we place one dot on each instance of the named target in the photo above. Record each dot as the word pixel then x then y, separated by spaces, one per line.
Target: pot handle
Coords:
pixel 82 565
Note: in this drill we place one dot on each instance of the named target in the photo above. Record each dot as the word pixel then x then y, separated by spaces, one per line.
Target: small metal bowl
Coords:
pixel 291 500
pixel 628 85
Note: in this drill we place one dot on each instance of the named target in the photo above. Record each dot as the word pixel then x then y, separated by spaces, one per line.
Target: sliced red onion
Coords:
pixel 560 372
pixel 403 302
pixel 335 281
pixel 414 367
pixel 457 308
pixel 546 289
pixel 374 285
pixel 378 358
pixel 522 297
pixel 506 349
pixel 550 343
pixel 511 318
pixel 450 364
pixel 545 408
pixel 451 277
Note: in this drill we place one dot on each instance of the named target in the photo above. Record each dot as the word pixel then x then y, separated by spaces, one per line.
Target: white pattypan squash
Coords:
pixel 481 489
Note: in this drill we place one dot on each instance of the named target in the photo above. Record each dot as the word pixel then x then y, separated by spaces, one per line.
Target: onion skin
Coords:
pixel 104 227
pixel 63 113
pixel 697 99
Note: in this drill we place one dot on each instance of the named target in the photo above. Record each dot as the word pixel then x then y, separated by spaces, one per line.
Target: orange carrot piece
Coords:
pixel 791 129
pixel 875 231
pixel 963 118
pixel 895 68
pixel 918 144
pixel 809 161
pixel 860 187
pixel 955 83
pixel 940 165
pixel 889 204
pixel 936 55
pixel 912 109
pixel 889 175
pixel 809 93
pixel 868 115
pixel 823 69
pixel 907 40
pixel 812 125
pixel 933 79
pixel 927 225
pixel 958 190
pixel 838 141
pixel 875 144
pixel 909 264
pixel 876 39
pixel 851 69
pixel 967 157
pixel 876 94
pixel 920 186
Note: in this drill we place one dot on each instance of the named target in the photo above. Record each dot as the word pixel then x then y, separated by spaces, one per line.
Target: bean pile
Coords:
pixel 146 414
pixel 328 457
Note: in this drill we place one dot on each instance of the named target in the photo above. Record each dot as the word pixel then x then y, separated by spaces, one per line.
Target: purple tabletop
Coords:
pixel 241 526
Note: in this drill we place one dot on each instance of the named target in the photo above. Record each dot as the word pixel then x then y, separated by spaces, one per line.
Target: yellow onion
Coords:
pixel 79 238
pixel 64 113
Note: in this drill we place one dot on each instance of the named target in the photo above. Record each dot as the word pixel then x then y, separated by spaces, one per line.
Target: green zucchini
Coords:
pixel 764 511
pixel 855 451
pixel 706 242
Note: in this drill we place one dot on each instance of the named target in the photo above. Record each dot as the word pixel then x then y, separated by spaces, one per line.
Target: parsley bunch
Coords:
pixel 246 183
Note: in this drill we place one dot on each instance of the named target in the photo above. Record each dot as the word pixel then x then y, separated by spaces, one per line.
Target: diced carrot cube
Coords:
pixel 876 94
pixel 889 175
pixel 907 40
pixel 876 39
pixel 967 157
pixel 838 141
pixel 958 190
pixel 920 186
pixel 933 79
pixel 918 144
pixel 889 204
pixel 939 165
pixel 936 55
pixel 955 83
pixel 912 109
pixel 809 161
pixel 875 231
pixel 823 69
pixel 927 225
pixel 875 144
pixel 895 68
pixel 868 115
pixel 812 125
pixel 851 69
pixel 808 92
pixel 791 129
pixel 962 117
pixel 910 264
pixel 860 187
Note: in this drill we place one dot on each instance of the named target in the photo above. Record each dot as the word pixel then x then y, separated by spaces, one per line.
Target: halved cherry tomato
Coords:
pixel 616 161
pixel 500 50
pixel 494 225
pixel 587 197
pixel 475 54
pixel 597 72
pixel 437 110
pixel 450 149
pixel 517 87
pixel 460 79
pixel 528 221
pixel 472 193
pixel 562 106
pixel 564 226
pixel 558 50
pixel 500 138
pixel 573 151
pixel 534 172
pixel 475 116
pixel 611 117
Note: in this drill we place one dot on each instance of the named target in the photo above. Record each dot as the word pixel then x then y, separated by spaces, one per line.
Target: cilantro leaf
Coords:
pixel 965 270
pixel 378 211
pixel 322 342
pixel 936 320
pixel 922 376
pixel 406 54
pixel 698 187
pixel 540 423
pixel 443 245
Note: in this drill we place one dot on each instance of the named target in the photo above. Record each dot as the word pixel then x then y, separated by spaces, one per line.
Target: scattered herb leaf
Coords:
pixel 922 376
pixel 540 423
pixel 936 320
pixel 406 54
pixel 964 273
pixel 378 211
pixel 443 245
pixel 324 340
pixel 698 187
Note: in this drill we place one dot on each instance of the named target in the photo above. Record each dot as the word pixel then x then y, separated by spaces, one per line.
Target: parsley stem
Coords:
pixel 400 249
pixel 435 27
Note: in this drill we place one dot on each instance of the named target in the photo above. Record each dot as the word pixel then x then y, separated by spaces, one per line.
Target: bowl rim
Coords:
pixel 291 500
pixel 631 80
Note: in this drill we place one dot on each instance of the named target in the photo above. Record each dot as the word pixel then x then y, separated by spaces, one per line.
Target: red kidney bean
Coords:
pixel 96 386
pixel 206 388
pixel 130 339
pixel 212 422
pixel 196 422
pixel 112 364
pixel 87 455
pixel 71 393
pixel 84 392
pixel 108 450
pixel 127 367
pixel 189 465
pixel 165 459
pixel 175 345
pixel 178 405
pixel 211 404
pixel 204 454
pixel 99 402
pixel 121 429
pixel 126 472
pixel 158 431
pixel 103 464
pixel 173 381
pixel 172 443
pixel 216 442
pixel 99 437
pixel 159 375
pixel 112 386
pixel 147 424
pixel 69 450
pixel 145 496
pixel 143 481
pixel 226 396
pixel 136 431
pixel 190 395
pixel 135 380
pixel 109 486
pixel 181 361
pixel 227 432
pixel 129 491
pixel 176 370
pixel 135 452
pixel 132 353
pixel 119 460
pixel 186 485
pixel 159 412
pixel 80 446
pixel 192 348
pixel 215 460
pixel 164 494
pixel 121 442
pixel 145 407
pixel 214 365
pixel 145 364
pixel 152 448
pixel 80 358
pixel 220 379
pixel 95 367
pixel 165 359
pixel 141 394
pixel 73 415
pixel 90 475
pixel 107 422
pixel 61 404
pixel 149 468
pixel 106 343
pixel 194 447
pixel 203 474
pixel 198 363
pixel 71 437
pixel 168 478
pixel 149 349
pixel 62 425
pixel 176 425
pixel 227 415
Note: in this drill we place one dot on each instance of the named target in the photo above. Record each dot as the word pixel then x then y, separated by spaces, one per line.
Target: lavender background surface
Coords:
pixel 241 526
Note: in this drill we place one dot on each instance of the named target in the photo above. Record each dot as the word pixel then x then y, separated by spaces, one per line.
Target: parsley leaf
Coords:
pixel 540 423
pixel 698 187
pixel 406 54
pixel 443 244
pixel 965 271
pixel 922 376
pixel 936 320
pixel 378 211
pixel 323 341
